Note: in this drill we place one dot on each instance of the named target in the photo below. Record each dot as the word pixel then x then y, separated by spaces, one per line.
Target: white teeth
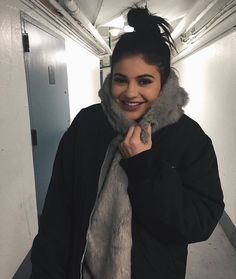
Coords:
pixel 131 104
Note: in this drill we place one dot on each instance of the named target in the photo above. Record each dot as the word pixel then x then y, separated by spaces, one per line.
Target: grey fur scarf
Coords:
pixel 109 239
pixel 166 110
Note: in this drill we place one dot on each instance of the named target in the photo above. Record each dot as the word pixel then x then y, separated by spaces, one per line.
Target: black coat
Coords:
pixel 174 191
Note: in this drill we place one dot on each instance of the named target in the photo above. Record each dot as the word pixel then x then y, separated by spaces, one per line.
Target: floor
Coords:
pixel 212 259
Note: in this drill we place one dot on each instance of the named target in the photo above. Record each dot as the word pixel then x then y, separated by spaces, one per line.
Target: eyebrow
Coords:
pixel 140 76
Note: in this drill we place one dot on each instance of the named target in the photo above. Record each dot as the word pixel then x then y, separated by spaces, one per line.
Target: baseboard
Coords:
pixel 229 228
pixel 24 271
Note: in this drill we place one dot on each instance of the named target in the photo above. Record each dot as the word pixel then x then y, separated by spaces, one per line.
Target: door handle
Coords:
pixel 34 137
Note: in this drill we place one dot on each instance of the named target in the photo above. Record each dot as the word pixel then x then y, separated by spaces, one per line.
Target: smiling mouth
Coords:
pixel 131 106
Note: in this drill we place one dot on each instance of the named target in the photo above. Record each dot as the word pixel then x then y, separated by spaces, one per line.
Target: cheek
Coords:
pixel 158 90
pixel 158 93
pixel 115 91
pixel 154 94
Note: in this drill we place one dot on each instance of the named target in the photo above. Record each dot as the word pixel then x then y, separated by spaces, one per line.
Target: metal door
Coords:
pixel 48 99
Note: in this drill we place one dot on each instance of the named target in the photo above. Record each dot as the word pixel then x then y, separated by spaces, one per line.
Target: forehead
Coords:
pixel 134 66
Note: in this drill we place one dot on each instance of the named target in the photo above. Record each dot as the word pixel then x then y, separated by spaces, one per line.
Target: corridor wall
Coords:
pixel 18 213
pixel 208 75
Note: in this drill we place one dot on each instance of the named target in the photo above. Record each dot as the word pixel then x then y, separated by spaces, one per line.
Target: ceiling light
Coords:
pixel 128 28
pixel 115 32
pixel 117 22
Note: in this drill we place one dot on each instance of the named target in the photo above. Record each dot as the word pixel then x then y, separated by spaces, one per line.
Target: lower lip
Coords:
pixel 131 108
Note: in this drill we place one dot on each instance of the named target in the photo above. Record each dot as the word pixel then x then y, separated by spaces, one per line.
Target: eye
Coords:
pixel 144 81
pixel 120 80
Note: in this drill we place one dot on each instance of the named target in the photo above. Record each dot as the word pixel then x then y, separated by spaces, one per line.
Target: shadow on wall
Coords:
pixel 24 270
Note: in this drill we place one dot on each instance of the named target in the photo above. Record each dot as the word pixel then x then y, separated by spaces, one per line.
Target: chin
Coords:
pixel 133 116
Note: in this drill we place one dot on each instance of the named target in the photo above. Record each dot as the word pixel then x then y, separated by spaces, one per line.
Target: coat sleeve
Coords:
pixel 50 248
pixel 175 205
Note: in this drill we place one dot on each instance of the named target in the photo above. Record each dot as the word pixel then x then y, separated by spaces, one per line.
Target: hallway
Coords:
pixel 54 57
pixel 212 259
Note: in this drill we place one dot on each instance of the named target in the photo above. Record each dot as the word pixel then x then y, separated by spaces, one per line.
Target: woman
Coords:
pixel 134 180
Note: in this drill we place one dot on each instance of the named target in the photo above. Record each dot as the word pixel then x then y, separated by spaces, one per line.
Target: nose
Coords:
pixel 131 90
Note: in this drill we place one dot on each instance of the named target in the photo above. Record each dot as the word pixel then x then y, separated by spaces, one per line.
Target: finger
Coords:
pixel 149 130
pixel 136 133
pixel 129 133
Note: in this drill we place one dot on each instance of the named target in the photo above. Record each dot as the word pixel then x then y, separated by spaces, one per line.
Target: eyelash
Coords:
pixel 141 82
pixel 145 81
pixel 119 80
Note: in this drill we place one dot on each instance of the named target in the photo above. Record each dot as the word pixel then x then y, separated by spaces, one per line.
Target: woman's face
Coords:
pixel 135 86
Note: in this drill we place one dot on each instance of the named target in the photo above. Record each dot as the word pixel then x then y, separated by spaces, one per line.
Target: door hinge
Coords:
pixel 26 46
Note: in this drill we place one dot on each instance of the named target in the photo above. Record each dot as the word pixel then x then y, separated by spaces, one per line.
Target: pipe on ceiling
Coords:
pixel 71 5
pixel 226 23
pixel 197 9
pixel 74 11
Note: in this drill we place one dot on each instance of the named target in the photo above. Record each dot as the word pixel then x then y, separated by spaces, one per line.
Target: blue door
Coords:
pixel 46 71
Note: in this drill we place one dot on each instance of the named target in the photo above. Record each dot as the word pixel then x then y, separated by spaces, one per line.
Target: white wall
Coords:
pixel 209 77
pixel 18 214
pixel 83 77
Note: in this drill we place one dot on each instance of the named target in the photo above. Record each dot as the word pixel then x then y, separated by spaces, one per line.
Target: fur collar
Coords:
pixel 166 110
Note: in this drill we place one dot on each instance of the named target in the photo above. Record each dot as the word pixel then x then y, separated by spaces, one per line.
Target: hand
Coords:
pixel 132 144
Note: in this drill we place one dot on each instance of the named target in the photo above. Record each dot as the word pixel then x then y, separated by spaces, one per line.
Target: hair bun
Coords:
pixel 136 16
pixel 141 19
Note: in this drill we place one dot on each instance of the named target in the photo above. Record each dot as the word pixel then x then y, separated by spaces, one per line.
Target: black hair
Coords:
pixel 151 39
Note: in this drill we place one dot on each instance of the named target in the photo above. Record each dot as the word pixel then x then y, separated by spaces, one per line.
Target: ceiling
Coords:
pixel 99 12
pixel 190 19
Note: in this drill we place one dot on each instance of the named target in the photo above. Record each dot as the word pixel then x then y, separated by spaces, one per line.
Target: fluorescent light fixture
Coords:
pixel 115 32
pixel 128 28
pixel 116 22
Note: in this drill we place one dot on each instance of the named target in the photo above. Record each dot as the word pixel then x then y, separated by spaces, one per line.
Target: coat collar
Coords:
pixel 166 110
